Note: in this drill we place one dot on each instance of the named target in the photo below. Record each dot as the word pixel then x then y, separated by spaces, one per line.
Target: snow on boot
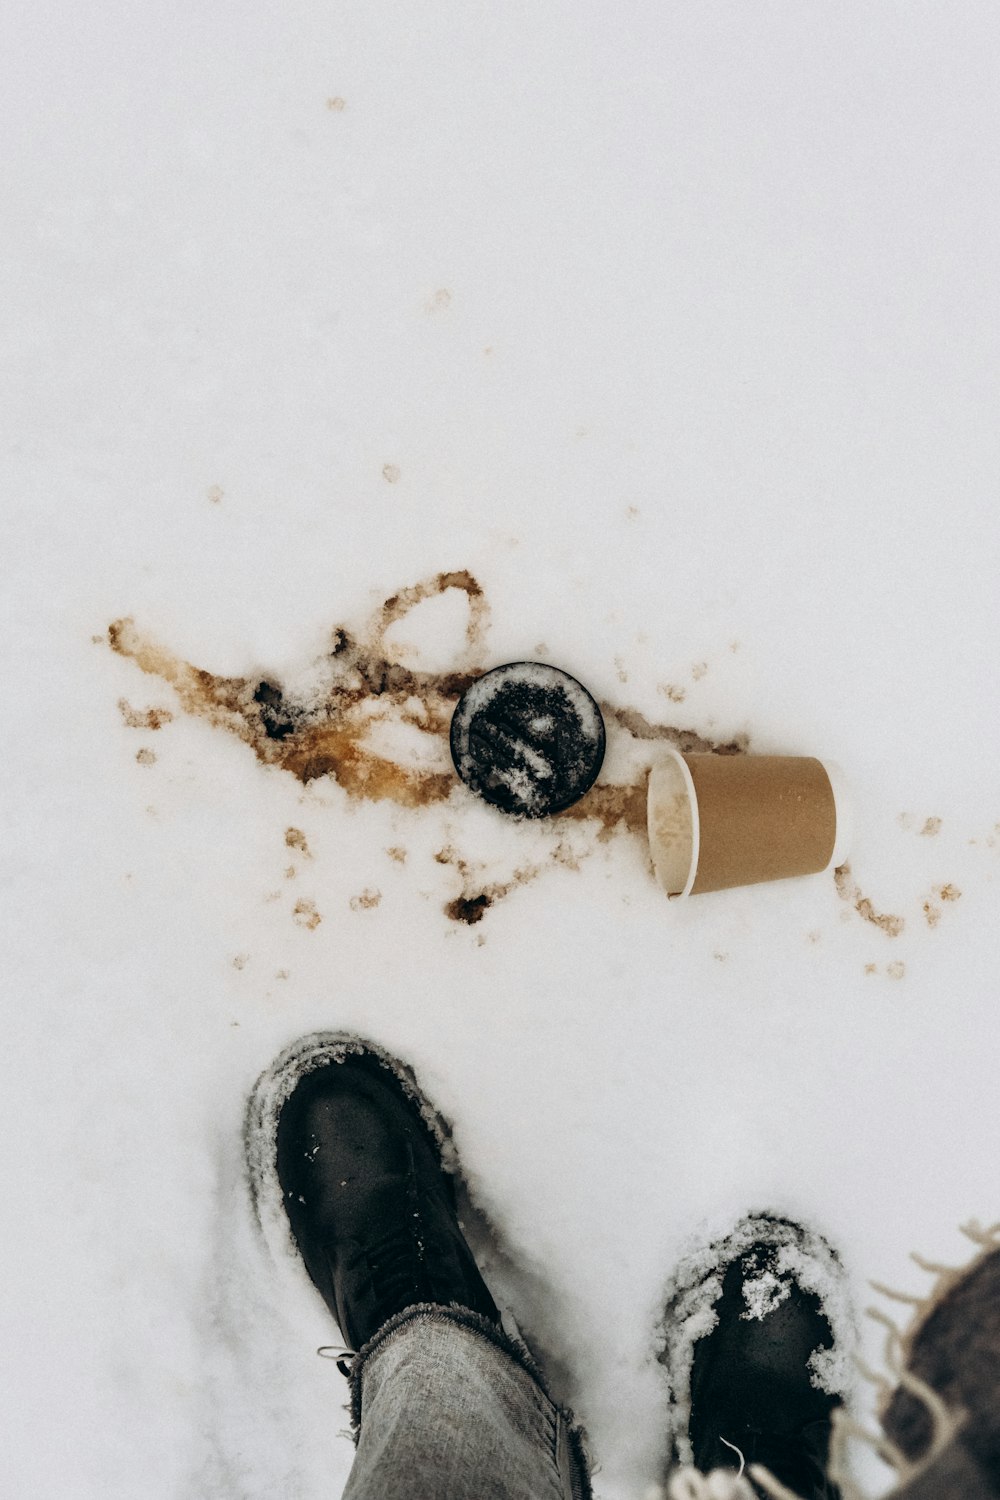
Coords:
pixel 358 1155
pixel 755 1331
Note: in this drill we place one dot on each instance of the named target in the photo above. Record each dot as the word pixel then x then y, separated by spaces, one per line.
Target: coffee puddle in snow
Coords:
pixel 359 693
pixel 359 690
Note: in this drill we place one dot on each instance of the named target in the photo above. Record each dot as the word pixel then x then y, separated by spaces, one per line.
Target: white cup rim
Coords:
pixel 675 755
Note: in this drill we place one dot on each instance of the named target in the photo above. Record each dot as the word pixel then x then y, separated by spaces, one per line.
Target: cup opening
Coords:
pixel 673 824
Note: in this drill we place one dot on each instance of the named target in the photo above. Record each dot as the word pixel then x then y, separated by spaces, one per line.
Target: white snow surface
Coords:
pixel 677 327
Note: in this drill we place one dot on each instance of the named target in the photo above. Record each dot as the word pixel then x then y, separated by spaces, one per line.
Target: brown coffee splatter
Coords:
pixel 281 974
pixel 930 828
pixel 304 913
pixel 240 961
pixel 675 694
pixel 896 970
pixel 296 839
pixel 698 670
pixel 329 738
pixel 477 898
pixel 329 733
pixel 949 893
pixel 143 718
pixel 564 855
pixel 614 807
pixel 398 854
pixel 688 741
pixel 290 872
pixel 145 757
pixel 932 913
pixel 469 909
pixel 847 890
pixel 871 968
pixel 366 901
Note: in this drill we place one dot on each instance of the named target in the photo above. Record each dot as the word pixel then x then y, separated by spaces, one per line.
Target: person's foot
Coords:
pixel 370 1207
pixel 752 1343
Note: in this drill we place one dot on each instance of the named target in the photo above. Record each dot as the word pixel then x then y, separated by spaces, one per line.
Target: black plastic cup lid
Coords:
pixel 528 738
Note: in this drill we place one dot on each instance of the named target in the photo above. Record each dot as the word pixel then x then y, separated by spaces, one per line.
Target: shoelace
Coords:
pixel 340 1355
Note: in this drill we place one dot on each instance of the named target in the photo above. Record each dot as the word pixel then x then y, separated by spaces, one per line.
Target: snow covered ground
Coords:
pixel 677 329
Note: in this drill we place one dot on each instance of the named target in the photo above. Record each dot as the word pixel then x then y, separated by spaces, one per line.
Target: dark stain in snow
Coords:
pixel 478 896
pixel 329 734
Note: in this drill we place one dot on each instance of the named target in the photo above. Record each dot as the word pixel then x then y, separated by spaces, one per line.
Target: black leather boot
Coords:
pixel 755 1362
pixel 370 1207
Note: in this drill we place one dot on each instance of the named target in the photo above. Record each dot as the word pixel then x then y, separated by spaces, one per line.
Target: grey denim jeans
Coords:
pixel 446 1406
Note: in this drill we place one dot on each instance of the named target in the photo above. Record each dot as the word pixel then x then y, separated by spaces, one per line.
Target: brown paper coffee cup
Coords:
pixel 717 821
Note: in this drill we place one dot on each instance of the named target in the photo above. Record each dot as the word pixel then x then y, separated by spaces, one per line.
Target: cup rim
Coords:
pixel 688 780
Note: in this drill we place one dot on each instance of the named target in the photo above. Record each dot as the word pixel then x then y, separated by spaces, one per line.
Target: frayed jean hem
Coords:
pixel 438 1316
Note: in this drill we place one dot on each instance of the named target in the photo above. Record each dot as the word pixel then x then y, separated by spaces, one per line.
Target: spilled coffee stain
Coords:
pixel 398 854
pixel 871 968
pixel 366 901
pixel 364 687
pixel 932 913
pixel 931 828
pixel 329 731
pixel 290 872
pixel 896 970
pixel 296 839
pixel 143 718
pixel 477 896
pixel 848 890
pixel 145 757
pixel 613 807
pixel 304 914
pixel 240 961
pixel 469 909
pixel 698 670
pixel 687 741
